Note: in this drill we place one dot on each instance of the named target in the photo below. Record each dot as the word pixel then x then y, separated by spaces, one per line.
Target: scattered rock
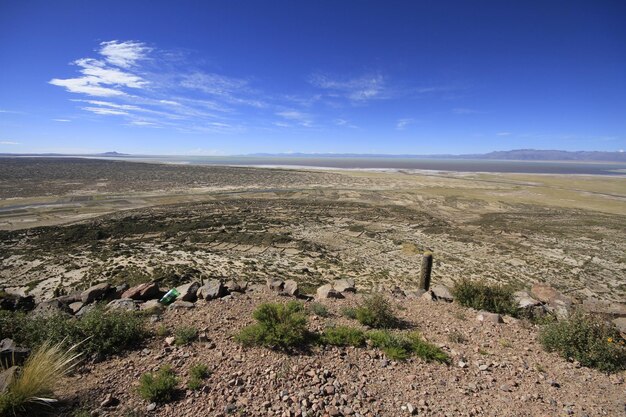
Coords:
pixel 442 293
pixel 181 305
pixel 620 323
pixel 609 308
pixel 151 407
pixel 557 303
pixel 211 290
pixel 76 306
pixel 327 291
pixel 344 285
pixel 126 304
pixel 151 305
pixel 485 316
pixel 95 293
pixel 50 307
pixel 275 284
pixel 188 292
pixel 11 354
pixel 109 401
pixel 290 288
pixel 234 286
pixel 146 291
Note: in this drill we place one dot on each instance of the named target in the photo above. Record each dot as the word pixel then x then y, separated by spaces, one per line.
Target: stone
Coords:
pixel 290 288
pixel 170 340
pixel 327 291
pixel 95 293
pixel 211 290
pixel 7 376
pixel 86 308
pixel 427 296
pixel 144 292
pixel 188 292
pixel 125 304
pixel 344 285
pixel 608 308
pixel 151 305
pixel 181 305
pixel 524 300
pixel 50 307
pixel 487 317
pixel 151 407
pixel 76 306
pixel 234 286
pixel 412 410
pixel 275 284
pixel 415 293
pixel 109 401
pixel 11 353
pixel 620 323
pixel 441 292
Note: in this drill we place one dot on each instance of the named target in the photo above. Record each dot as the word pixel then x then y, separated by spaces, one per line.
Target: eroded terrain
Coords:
pixel 71 223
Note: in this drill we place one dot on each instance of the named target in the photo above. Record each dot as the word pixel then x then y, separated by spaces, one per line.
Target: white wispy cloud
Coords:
pixel 504 133
pixel 124 54
pixel 303 119
pixel 401 124
pixel 344 123
pixel 105 112
pixel 359 89
pixel 61 120
pixel 8 142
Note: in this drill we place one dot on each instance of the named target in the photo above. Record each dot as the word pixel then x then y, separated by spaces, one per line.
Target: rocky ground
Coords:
pixel 496 370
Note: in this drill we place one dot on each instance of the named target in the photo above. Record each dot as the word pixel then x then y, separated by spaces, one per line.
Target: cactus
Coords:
pixel 427 265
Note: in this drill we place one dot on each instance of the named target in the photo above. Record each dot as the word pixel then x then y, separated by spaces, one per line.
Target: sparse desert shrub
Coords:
pixel 185 335
pixel 279 326
pixel 375 311
pixel 162 331
pixel 197 374
pixel 343 336
pixel 457 337
pixel 349 312
pixel 319 310
pixel 35 382
pixel 159 387
pixel 587 339
pixel 400 346
pixel 98 332
pixel 480 295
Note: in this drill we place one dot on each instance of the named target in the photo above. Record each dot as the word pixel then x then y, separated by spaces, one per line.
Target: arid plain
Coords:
pixel 69 223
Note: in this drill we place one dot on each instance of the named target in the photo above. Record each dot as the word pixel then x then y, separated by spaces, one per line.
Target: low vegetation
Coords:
pixel 185 335
pixel 401 346
pixel 97 332
pixel 159 387
pixel 197 374
pixel 279 326
pixel 343 336
pixel 481 295
pixel 319 310
pixel 587 339
pixel 376 311
pixel 35 381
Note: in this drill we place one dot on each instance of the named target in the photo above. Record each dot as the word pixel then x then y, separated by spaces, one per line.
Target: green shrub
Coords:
pixel 279 326
pixel 159 387
pixel 375 311
pixel 349 312
pixel 343 336
pixel 162 331
pixel 185 335
pixel 319 310
pixel 480 295
pixel 402 346
pixel 197 374
pixel 587 339
pixel 98 331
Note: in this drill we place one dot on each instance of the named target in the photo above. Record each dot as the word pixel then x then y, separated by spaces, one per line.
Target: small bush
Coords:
pixel 185 335
pixel 319 310
pixel 402 346
pixel 279 326
pixel 162 331
pixel 197 374
pixel 343 336
pixel 456 337
pixel 375 311
pixel 587 339
pixel 480 295
pixel 35 382
pixel 159 387
pixel 98 332
pixel 349 312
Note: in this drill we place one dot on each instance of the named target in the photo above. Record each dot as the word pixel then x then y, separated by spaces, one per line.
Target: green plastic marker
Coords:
pixel 169 297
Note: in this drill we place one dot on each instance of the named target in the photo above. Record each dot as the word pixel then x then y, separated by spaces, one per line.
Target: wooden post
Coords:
pixel 427 266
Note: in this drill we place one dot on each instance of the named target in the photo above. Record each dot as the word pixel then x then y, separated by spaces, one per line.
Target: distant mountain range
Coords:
pixel 514 155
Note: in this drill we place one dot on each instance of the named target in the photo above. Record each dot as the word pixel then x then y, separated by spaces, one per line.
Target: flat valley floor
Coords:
pixel 68 223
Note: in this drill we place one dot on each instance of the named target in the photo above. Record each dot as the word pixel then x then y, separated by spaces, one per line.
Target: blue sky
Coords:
pixel 231 77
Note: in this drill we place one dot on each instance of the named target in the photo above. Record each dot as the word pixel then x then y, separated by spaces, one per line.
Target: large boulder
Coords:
pixel 211 290
pixel 290 288
pixel 235 286
pixel 609 308
pixel 95 293
pixel 11 353
pixel 327 291
pixel 620 323
pixel 151 305
pixel 145 291
pixel 344 285
pixel 188 292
